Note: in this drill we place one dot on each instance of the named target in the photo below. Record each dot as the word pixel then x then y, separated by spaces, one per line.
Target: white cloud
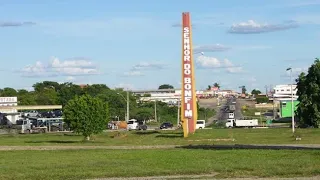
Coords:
pixel 137 70
pixel 208 62
pixel 231 68
pixel 125 86
pixel 308 19
pixel 60 68
pixel 211 48
pixel 149 66
pixel 214 63
pixel 133 73
pixel 252 27
pixel 305 3
pixel 254 47
pixel 70 78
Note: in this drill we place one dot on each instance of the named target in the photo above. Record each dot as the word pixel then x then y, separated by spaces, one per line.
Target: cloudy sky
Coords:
pixel 137 44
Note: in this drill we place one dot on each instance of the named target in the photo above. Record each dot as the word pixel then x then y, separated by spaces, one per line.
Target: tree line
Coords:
pixel 54 93
pixel 308 92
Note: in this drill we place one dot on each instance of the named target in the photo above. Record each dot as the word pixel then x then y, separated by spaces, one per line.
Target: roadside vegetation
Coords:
pixel 166 137
pixel 87 164
pixel 54 93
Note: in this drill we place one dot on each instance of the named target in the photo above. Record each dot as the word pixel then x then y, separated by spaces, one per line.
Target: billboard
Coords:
pixel 5 100
pixel 188 94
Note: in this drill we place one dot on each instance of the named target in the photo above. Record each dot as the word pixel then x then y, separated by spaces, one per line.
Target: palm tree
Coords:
pixel 216 85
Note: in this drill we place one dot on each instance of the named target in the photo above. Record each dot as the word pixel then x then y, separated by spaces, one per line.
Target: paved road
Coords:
pixel 212 104
pixel 238 113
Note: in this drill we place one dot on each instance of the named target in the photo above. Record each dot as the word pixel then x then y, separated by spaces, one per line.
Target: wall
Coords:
pixel 286 110
pixel 9 101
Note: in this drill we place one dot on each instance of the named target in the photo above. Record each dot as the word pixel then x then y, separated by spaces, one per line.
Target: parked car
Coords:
pixel 32 113
pixel 48 114
pixel 166 125
pixel 57 113
pixel 142 126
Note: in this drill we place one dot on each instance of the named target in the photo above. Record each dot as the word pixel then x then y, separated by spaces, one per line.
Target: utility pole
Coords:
pixel 266 86
pixel 292 107
pixel 178 116
pixel 128 101
pixel 155 110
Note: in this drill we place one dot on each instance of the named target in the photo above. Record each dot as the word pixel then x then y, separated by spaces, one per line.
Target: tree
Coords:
pixel 166 86
pixel 243 89
pixel 209 87
pixel 216 85
pixel 86 115
pixel 144 113
pixel 45 85
pixel 255 92
pixel 47 97
pixel 9 92
pixel 68 91
pixel 262 99
pixel 308 86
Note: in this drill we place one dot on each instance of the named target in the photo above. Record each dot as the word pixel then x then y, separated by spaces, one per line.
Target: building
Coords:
pixel 286 108
pixel 12 114
pixel 170 96
pixel 283 92
pixel 226 93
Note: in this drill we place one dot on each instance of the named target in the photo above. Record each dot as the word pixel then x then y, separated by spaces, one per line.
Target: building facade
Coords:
pixel 12 113
pixel 170 96
pixel 283 92
pixel 286 108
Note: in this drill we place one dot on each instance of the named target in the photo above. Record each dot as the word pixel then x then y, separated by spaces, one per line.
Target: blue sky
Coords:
pixel 137 44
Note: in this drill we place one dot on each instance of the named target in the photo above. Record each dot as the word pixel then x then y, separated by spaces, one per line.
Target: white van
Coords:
pixel 132 124
pixel 201 124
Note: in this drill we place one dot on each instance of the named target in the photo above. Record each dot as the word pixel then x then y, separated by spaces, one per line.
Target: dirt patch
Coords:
pixel 206 176
pixel 10 148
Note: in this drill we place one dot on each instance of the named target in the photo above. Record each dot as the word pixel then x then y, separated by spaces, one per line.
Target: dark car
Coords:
pixel 166 125
pixel 142 126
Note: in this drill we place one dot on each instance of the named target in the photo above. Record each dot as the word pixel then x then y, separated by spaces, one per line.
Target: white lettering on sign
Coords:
pixel 8 99
pixel 187 80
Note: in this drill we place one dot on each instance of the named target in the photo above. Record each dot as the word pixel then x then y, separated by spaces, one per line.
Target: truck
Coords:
pixel 231 122
pixel 231 115
pixel 134 124
pixel 232 107
pixel 201 124
pixel 28 126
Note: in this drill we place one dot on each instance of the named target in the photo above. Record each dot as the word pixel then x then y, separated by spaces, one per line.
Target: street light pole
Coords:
pixel 178 115
pixel 128 101
pixel 292 107
pixel 155 110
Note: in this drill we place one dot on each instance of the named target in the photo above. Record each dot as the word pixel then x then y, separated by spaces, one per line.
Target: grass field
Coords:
pixel 84 164
pixel 241 136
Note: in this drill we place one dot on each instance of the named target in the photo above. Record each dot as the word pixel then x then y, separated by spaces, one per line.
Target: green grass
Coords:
pixel 84 164
pixel 241 136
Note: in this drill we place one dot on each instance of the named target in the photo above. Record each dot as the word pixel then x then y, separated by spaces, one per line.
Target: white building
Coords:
pixel 170 96
pixel 226 93
pixel 283 92
pixel 12 113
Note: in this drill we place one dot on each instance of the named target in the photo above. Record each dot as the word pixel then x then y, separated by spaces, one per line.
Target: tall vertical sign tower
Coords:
pixel 189 112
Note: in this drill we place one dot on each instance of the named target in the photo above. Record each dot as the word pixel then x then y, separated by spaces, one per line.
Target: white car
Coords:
pixel 201 124
pixel 132 124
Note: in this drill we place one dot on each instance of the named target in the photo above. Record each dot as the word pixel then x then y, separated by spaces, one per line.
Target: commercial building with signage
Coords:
pixel 12 113
pixel 286 108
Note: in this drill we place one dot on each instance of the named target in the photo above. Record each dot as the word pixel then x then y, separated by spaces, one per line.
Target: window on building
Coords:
pixel 284 105
pixel 288 89
pixel 282 89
